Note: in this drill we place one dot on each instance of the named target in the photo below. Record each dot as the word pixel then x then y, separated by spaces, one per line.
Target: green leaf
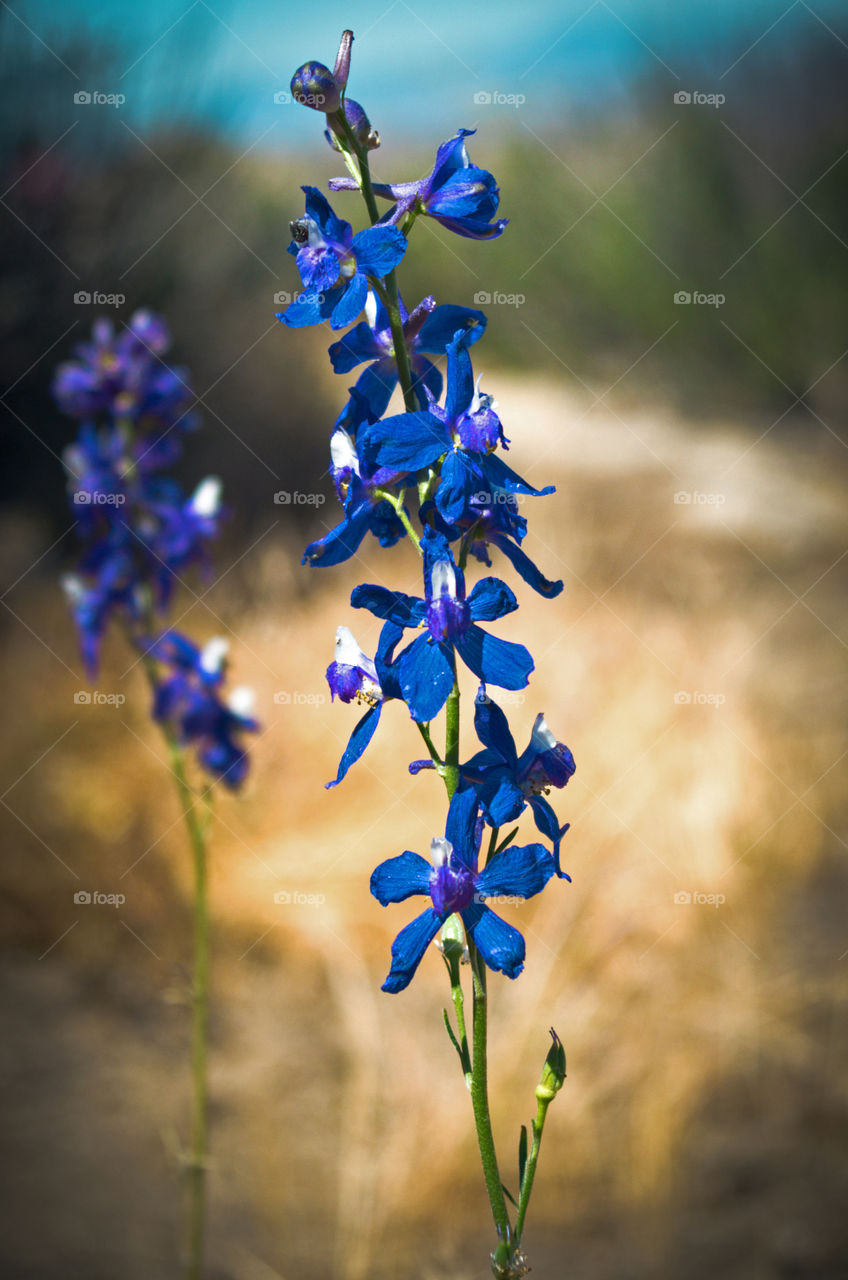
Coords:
pixel 507 840
pixel 509 1195
pixel 522 1156
pixel 453 1038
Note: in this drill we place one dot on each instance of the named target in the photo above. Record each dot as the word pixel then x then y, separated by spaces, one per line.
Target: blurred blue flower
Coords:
pixel 188 698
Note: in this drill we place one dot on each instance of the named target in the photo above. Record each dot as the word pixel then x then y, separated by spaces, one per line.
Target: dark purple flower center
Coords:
pixel 451 884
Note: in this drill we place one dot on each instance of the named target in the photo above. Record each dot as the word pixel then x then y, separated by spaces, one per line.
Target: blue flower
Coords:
pixel 188 698
pixel 477 491
pixel 365 510
pixel 427 329
pixel 426 668
pixel 123 375
pixel 506 781
pixel 352 675
pixel 335 264
pixel 460 196
pixel 454 884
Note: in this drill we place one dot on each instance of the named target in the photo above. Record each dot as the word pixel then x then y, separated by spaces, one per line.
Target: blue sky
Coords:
pixel 221 61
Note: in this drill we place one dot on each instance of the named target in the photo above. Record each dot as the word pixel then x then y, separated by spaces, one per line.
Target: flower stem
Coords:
pixel 451 774
pixel 197 825
pixel 390 297
pixel 482 1119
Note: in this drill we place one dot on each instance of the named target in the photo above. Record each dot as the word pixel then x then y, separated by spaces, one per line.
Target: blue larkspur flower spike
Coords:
pixel 335 265
pixel 455 884
pixel 448 621
pixel 455 193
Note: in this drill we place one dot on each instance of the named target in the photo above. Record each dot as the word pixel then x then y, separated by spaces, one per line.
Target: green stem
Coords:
pixel 482 1119
pixel 424 730
pixel 451 774
pixel 389 293
pixel 530 1168
pixel 197 826
pixel 397 503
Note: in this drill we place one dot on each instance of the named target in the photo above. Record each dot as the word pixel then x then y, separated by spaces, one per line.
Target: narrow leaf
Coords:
pixel 507 840
pixel 522 1156
pixel 453 1038
pixel 509 1195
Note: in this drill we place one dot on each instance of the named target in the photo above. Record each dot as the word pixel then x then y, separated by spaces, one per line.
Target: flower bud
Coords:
pixel 553 1072
pixel 313 85
pixel 360 126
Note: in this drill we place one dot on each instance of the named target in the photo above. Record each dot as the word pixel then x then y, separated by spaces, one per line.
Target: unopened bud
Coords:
pixel 313 85
pixel 553 1072
pixel 359 124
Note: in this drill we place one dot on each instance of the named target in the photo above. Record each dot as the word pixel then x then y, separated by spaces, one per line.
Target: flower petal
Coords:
pixel 439 328
pixel 495 661
pixel 399 878
pixel 359 739
pixel 357 345
pixel 406 611
pixel 501 946
pixel 491 599
pixel 548 823
pixel 409 947
pixel 340 543
pixel 525 567
pixel 379 249
pixel 460 390
pixel 407 442
pixel 351 302
pixel 519 872
pixel 461 825
pixel 425 671
pixel 492 727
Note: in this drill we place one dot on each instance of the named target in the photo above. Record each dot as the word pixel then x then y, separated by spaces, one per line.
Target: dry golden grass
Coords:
pixel 697 1034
